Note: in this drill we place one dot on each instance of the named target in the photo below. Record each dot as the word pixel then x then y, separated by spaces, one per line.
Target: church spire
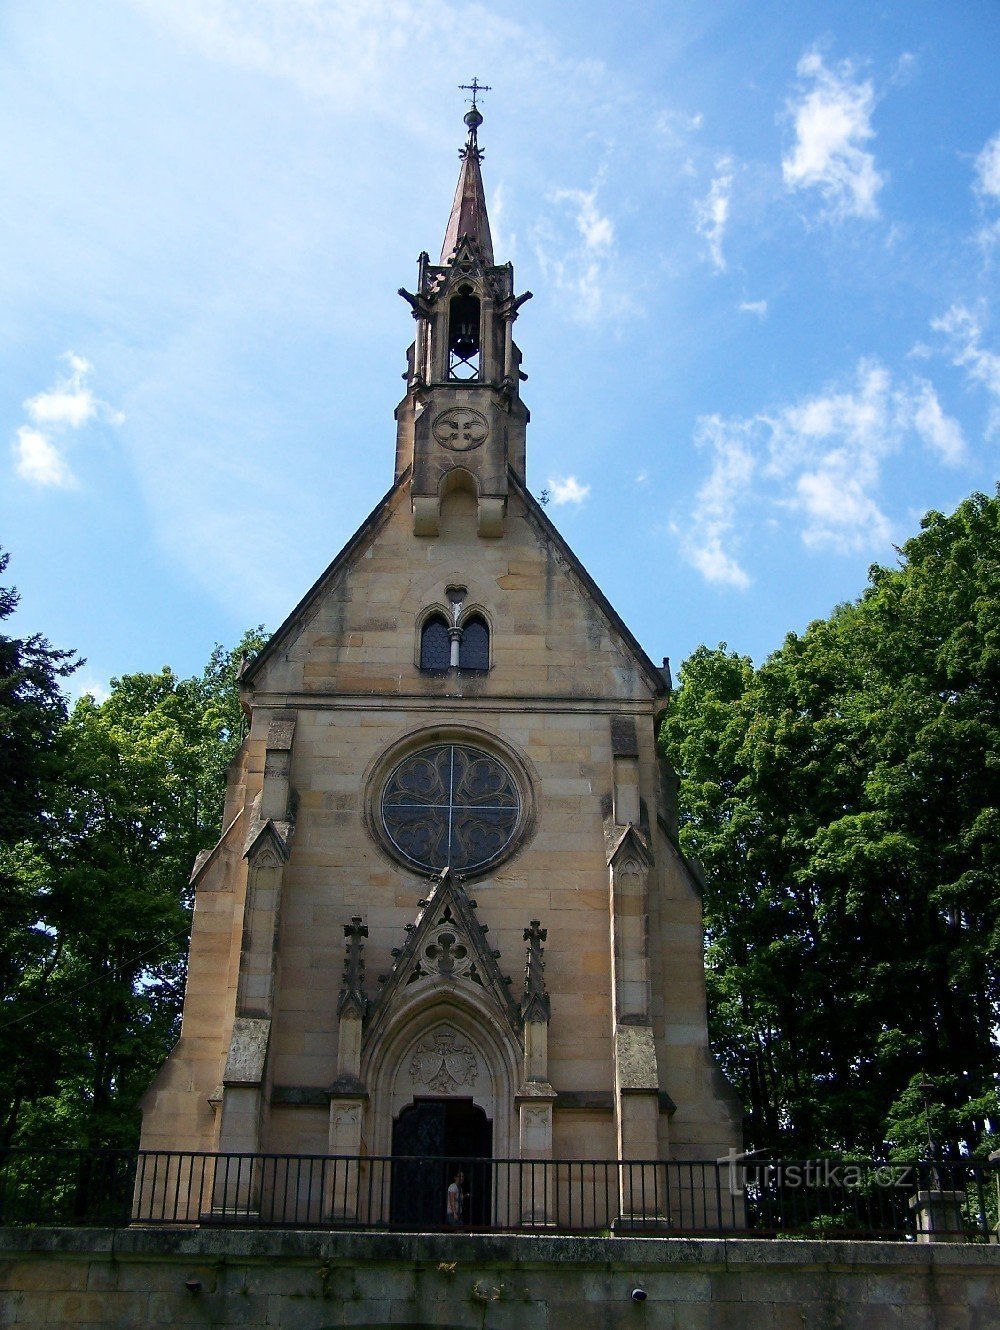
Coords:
pixel 468 212
pixel 461 425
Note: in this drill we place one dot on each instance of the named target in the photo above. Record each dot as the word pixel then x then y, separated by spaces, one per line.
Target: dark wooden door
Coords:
pixel 431 1140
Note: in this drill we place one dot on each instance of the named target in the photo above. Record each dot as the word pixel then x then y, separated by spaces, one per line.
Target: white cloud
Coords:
pixel 675 126
pixel 941 433
pixel 352 53
pixel 38 460
pixel 642 477
pixel 388 60
pixel 839 512
pixel 988 235
pixel 825 456
pixel 987 188
pixel 758 307
pixel 504 241
pixel 713 517
pixel 88 685
pixel 820 460
pixel 567 490
pixel 713 212
pixel 39 453
pixel 964 329
pixel 580 262
pixel 596 230
pixel 70 402
pixel 905 70
pixel 832 117
pixel 988 168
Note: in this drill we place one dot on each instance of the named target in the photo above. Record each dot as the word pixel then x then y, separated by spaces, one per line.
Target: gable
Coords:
pixel 554 632
pixel 446 943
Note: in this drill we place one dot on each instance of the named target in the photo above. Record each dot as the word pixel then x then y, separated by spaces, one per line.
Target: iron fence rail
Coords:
pixel 823 1198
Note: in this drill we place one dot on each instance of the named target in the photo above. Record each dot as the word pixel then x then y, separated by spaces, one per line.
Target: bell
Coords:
pixel 465 342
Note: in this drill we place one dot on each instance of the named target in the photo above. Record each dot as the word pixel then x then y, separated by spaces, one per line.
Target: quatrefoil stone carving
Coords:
pixel 461 429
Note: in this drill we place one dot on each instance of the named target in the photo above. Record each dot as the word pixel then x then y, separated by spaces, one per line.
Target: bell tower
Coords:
pixel 462 422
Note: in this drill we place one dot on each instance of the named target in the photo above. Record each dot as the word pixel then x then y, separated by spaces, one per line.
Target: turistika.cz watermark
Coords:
pixel 744 1171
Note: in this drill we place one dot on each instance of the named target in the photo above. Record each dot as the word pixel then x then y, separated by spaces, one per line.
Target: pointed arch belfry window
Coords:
pixel 464 336
pixel 474 648
pixel 435 644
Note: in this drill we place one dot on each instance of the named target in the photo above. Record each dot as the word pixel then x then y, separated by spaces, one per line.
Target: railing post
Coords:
pixel 939 1210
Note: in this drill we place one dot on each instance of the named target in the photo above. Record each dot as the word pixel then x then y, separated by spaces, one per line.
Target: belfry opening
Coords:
pixel 463 334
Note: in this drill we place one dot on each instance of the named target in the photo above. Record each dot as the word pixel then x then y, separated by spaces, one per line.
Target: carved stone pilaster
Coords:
pixel 237 1189
pixel 343 1193
pixel 267 847
pixel 534 1106
pixel 636 1072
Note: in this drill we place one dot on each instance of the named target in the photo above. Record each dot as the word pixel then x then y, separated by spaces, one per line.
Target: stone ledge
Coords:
pixel 523 1250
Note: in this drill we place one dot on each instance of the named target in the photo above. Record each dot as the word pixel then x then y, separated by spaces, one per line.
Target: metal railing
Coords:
pixel 921 1201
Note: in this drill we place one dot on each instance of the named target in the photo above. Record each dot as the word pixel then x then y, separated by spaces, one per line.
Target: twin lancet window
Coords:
pixel 455 641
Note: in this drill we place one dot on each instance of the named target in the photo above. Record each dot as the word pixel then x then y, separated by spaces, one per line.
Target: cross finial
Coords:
pixel 352 991
pixel 535 1005
pixel 475 87
pixel 473 118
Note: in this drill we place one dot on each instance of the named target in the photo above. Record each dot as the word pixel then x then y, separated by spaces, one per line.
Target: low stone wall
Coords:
pixel 317 1281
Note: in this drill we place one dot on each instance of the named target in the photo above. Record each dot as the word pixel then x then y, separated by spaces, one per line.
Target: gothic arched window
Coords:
pixel 435 644
pixel 474 648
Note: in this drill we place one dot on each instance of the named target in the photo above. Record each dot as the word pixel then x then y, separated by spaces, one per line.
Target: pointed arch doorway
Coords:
pixel 431 1139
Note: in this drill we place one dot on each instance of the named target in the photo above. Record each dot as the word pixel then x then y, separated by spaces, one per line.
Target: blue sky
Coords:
pixel 763 241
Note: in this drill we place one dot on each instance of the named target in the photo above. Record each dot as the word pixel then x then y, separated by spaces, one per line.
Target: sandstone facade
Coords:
pixel 558 984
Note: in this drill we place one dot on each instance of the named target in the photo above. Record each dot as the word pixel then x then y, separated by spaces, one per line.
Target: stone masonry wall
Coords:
pixel 347 673
pixel 59 1278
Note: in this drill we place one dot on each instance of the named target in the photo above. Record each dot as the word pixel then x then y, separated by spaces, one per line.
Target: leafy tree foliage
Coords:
pixel 32 714
pixel 101 879
pixel 32 710
pixel 843 800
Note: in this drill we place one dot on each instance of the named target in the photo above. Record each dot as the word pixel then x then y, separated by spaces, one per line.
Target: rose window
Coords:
pixel 451 806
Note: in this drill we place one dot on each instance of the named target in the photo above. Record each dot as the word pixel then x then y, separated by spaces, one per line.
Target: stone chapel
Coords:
pixel 447 913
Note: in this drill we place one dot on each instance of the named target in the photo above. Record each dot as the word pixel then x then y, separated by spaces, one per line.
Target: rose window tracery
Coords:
pixel 451 806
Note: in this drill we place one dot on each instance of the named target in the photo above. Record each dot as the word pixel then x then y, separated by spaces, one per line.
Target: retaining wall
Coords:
pixel 85 1279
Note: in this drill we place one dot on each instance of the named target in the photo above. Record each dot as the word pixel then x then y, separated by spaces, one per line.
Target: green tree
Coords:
pixel 843 800
pixel 32 711
pixel 32 714
pixel 105 875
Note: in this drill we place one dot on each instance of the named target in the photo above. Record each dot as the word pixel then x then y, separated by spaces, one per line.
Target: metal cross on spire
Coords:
pixel 475 87
pixel 473 118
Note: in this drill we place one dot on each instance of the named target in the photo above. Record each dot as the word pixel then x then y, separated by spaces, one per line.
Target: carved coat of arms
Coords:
pixel 442 1064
